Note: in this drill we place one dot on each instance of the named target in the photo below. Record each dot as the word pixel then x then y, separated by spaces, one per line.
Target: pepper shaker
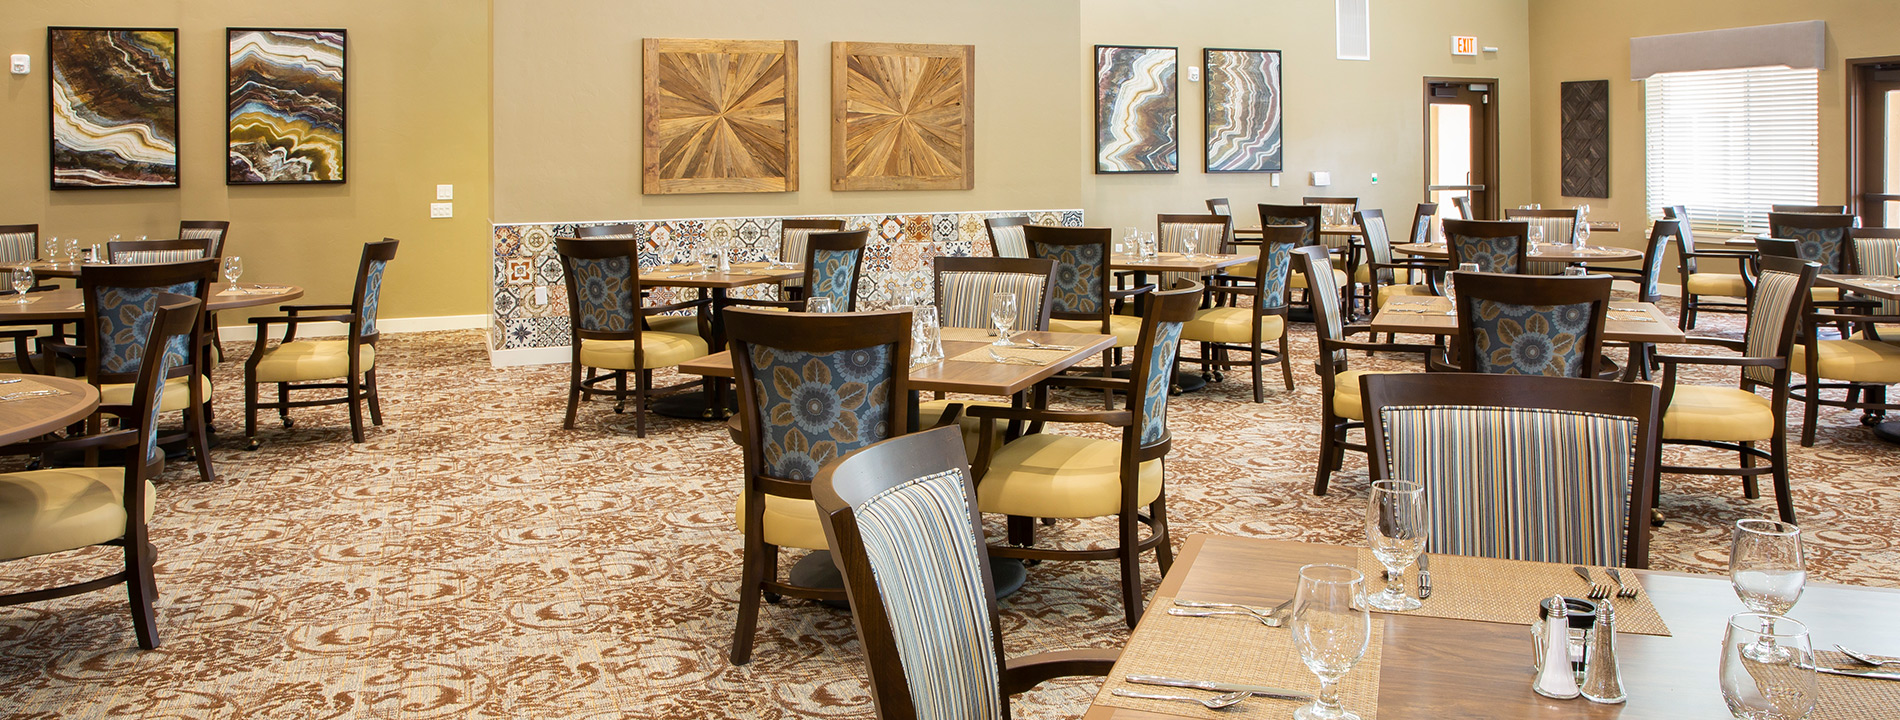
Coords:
pixel 1602 678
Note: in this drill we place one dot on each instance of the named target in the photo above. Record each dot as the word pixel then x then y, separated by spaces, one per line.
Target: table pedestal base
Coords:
pixel 1888 432
pixel 817 570
pixel 692 406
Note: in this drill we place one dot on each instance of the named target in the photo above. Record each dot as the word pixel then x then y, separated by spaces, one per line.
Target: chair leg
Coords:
pixel 1750 488
pixel 1810 412
pixel 1286 363
pixel 1021 530
pixel 1259 369
pixel 200 440
pixel 375 399
pixel 250 412
pixel 1328 447
pixel 1687 319
pixel 573 395
pixel 1131 567
pixel 141 591
pixel 283 403
pixel 751 577
pixel 1164 548
pixel 1784 494
pixel 643 385
pixel 354 386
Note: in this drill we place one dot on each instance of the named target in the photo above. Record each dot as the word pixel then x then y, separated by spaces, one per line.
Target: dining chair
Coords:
pixel 834 261
pixel 963 288
pixel 1876 251
pixel 1862 366
pixel 1210 234
pixel 1821 237
pixel 1049 475
pixel 603 295
pixel 348 363
pixel 1531 324
pixel 1220 206
pixel 1228 327
pixel 1497 246
pixel 901 518
pixel 1697 285
pixel 1082 300
pixel 1559 226
pixel 213 231
pixel 1810 209
pixel 794 240
pixel 1341 205
pixel 1472 440
pixel 19 243
pixel 813 388
pixel 610 231
pixel 1342 411
pixel 1006 236
pixel 1462 203
pixel 56 510
pixel 1307 216
pixel 1422 222
pixel 1648 279
pixel 1735 418
pixel 1381 274
pixel 158 251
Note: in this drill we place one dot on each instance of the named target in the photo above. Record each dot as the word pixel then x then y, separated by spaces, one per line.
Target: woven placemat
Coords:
pixel 1507 591
pixel 1846 698
pixel 1229 649
pixel 982 354
pixel 26 388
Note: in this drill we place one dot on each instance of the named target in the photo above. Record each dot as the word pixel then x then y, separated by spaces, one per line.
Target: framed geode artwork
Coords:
pixel 1243 110
pixel 903 116
pixel 721 116
pixel 1137 114
pixel 284 106
pixel 114 98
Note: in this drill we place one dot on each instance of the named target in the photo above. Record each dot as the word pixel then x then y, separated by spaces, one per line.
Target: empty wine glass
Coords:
pixel 22 281
pixel 1396 532
pixel 1778 687
pixel 1536 236
pixel 234 269
pixel 1189 241
pixel 1768 569
pixel 1331 627
pixel 1131 236
pixel 72 252
pixel 1003 316
pixel 926 341
pixel 52 250
pixel 818 304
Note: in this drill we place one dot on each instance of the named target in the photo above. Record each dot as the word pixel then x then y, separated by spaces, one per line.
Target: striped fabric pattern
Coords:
pixel 1378 246
pixel 1879 256
pixel 965 299
pixel 1009 241
pixel 18 247
pixel 1324 294
pixel 1174 236
pixel 918 542
pixel 215 235
pixel 791 248
pixel 1818 245
pixel 1774 291
pixel 134 257
pixel 1561 230
pixel 1517 483
pixel 1492 254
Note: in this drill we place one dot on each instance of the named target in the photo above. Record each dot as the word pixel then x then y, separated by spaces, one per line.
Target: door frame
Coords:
pixel 1858 162
pixel 1490 163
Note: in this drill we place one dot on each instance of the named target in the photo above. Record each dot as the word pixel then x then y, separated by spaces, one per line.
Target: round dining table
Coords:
pixel 34 405
pixel 1541 252
pixel 70 303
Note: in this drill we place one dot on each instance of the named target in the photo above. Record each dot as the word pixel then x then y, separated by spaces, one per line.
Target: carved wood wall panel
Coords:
pixel 1586 138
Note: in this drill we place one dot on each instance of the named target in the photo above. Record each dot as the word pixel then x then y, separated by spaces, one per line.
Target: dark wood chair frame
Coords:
pixel 1687 255
pixel 1043 267
pixel 789 291
pixel 217 244
pixel 616 231
pixel 1488 229
pixel 1112 299
pixel 1377 271
pixel 1777 222
pixel 991 224
pixel 1575 216
pixel 24 356
pixel 1214 355
pixel 1810 209
pixel 839 241
pixel 1312 213
pixel 1648 279
pixel 1534 290
pixel 1605 397
pixel 1220 206
pixel 358 386
pixel 586 388
pixel 1462 203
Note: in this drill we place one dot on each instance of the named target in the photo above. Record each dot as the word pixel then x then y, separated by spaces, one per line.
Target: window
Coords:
pixel 1729 143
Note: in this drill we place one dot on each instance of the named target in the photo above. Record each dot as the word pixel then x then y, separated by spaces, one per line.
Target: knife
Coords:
pixel 1424 576
pixel 1257 690
pixel 1870 674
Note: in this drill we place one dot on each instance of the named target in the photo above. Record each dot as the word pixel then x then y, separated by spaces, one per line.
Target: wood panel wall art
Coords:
pixel 903 116
pixel 721 116
pixel 1243 110
pixel 1586 138
pixel 284 105
pixel 1137 114
pixel 114 99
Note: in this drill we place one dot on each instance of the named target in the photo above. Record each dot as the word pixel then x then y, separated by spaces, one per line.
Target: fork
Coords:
pixel 1264 620
pixel 1623 591
pixel 1597 592
pixel 1275 613
pixel 1863 658
pixel 1009 360
pixel 1039 346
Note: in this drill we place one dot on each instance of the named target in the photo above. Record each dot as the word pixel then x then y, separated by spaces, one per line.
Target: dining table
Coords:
pixel 1876 286
pixel 718 286
pixel 70 303
pixel 34 405
pixel 1438 662
pixel 1625 321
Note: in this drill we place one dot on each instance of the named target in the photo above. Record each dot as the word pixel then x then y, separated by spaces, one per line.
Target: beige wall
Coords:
pixel 567 110
pixel 418 115
pixel 1348 118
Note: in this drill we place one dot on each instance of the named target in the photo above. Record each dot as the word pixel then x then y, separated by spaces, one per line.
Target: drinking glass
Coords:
pixel 1396 532
pixel 1132 236
pixel 1582 235
pixel 1768 569
pixel 818 304
pixel 926 336
pixel 22 281
pixel 234 269
pixel 708 259
pixel 1003 316
pixel 52 250
pixel 1189 242
pixel 72 252
pixel 1780 687
pixel 1331 627
pixel 98 253
pixel 1536 236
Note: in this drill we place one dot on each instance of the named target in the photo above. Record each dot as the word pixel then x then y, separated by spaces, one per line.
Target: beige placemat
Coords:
pixel 1846 698
pixel 982 354
pixel 1233 649
pixel 254 290
pixel 1507 591
pixel 25 388
pixel 17 299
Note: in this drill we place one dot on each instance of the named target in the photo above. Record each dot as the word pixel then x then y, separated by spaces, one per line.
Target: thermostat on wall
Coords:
pixel 22 64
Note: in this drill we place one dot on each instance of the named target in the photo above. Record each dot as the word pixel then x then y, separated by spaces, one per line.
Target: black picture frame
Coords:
pixel 88 141
pixel 1123 72
pixel 1244 98
pixel 286 95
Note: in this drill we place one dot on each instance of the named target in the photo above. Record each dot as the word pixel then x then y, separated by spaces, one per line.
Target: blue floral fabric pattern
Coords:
pixel 1154 407
pixel 171 358
pixel 1079 288
pixel 1308 236
pixel 125 325
pixel 372 294
pixel 818 407
pixel 1820 245
pixel 831 275
pixel 1492 254
pixel 1514 339
pixel 604 287
pixel 1279 264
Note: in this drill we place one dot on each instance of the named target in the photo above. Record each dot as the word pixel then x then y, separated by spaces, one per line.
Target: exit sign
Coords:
pixel 1464 45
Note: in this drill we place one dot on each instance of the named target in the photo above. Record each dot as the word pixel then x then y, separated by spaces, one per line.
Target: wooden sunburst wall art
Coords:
pixel 903 116
pixel 721 116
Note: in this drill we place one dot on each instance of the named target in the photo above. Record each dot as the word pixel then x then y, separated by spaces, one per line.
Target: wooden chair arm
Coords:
pixel 1022 673
pixel 792 305
pixel 989 414
pixel 1131 292
pixel 1334 344
pixel 1084 381
pixel 669 307
pixel 103 441
pixel 1724 343
pixel 1771 362
pixel 267 320
pixel 1720 254
pixel 294 309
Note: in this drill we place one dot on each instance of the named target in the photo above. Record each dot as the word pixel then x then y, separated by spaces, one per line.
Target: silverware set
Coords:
pixel 1270 618
pixel 1230 693
pixel 1039 346
pixel 1600 592
pixel 1872 670
pixel 1013 360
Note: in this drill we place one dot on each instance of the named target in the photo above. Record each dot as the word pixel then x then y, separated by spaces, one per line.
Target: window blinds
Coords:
pixel 1729 143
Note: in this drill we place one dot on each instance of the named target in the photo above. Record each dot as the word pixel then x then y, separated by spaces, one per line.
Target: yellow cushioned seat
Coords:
pixel 1230 325
pixel 677 324
pixel 1392 291
pixel 176 395
pixel 1297 280
pixel 663 349
pixel 1246 269
pixel 1723 284
pixel 311 360
pixel 1363 274
pixel 789 522
pixel 1722 414
pixel 1346 401
pixel 1827 294
pixel 1058 476
pixel 43 511
pixel 1856 360
pixel 929 411
pixel 1125 328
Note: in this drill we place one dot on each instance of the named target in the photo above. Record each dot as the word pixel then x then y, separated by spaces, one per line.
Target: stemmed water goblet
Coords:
pixel 1331 628
pixel 22 282
pixel 1396 532
pixel 234 269
pixel 1536 236
pixel 1003 316
pixel 818 304
pixel 1768 568
pixel 72 252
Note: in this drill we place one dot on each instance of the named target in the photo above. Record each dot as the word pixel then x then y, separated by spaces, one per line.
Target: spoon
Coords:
pixel 1865 659
pixel 1213 703
pixel 1013 360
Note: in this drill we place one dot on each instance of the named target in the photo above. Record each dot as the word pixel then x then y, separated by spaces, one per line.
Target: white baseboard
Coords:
pixel 530 356
pixel 240 333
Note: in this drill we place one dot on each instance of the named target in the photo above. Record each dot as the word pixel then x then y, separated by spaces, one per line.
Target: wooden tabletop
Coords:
pixel 1543 252
pixel 1440 668
pixel 69 303
pixel 737 275
pixel 31 417
pixel 1201 263
pixel 980 378
pixel 1880 286
pixel 43 269
pixel 1400 315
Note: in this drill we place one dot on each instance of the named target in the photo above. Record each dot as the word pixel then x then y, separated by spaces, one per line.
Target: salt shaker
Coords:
pixel 1556 679
pixel 1602 678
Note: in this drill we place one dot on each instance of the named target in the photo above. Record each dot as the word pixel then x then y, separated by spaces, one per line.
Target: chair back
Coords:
pixel 1497 246
pixel 1780 295
pixel 1462 203
pixel 1559 224
pixel 215 231
pixel 1661 233
pixel 1778 247
pixel 833 262
pixel 19 243
pixel 1006 236
pixel 1820 237
pixel 1220 206
pixel 1306 216
pixel 1343 205
pixel 1155 352
pixel 1530 324
pixel 368 296
pixel 795 234
pixel 1876 251
pixel 1080 291
pixel 1524 468
pixel 122 303
pixel 1685 238
pixel 1275 264
pixel 1422 222
pixel 903 528
pixel 1323 289
pixel 1209 233
pixel 1378 242
pixel 814 388
pixel 1810 209
pixel 125 252
pixel 603 287
pixel 612 231
pixel 964 285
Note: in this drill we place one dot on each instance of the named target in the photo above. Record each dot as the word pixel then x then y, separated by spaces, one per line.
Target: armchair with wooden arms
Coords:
pixel 793 246
pixel 1308 217
pixel 696 323
pixel 1559 226
pixel 1228 327
pixel 1696 283
pixel 348 363
pixel 963 288
pixel 1861 366
pixel 1382 274
pixel 1082 300
pixel 1531 324
pixel 603 292
pixel 1648 279
pixel 1496 246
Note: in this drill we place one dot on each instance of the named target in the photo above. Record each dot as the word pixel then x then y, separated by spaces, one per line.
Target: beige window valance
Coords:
pixel 1796 45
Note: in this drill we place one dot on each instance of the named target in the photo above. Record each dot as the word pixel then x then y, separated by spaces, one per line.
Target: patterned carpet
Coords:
pixel 475 560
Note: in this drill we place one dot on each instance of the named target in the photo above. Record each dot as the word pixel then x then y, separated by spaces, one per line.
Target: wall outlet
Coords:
pixel 1275 177
pixel 540 294
pixel 441 210
pixel 1322 178
pixel 22 64
pixel 1375 178
pixel 1194 73
pixel 445 192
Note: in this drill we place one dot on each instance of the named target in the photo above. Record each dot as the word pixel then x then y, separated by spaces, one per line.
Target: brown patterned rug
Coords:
pixel 473 559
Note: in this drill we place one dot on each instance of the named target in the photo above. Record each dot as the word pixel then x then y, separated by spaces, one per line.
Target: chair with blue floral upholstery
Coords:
pixel 60 509
pixel 1046 475
pixel 1308 217
pixel 901 519
pixel 833 262
pixel 794 237
pixel 1497 246
pixel 1472 441
pixel 813 388
pixel 1227 327
pixel 1821 238
pixel 1082 300
pixel 347 363
pixel 603 295
pixel 1530 324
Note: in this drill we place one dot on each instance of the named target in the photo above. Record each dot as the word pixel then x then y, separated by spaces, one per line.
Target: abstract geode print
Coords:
pixel 284 106
pixel 1243 110
pixel 114 97
pixel 1136 111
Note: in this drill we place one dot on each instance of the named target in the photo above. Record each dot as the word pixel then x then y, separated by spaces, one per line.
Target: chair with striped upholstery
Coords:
pixel 1861 366
pixel 1341 411
pixel 1006 236
pixel 1696 284
pixel 1497 246
pixel 1534 468
pixel 963 288
pixel 794 239
pixel 1173 231
pixel 813 388
pixel 1047 475
pixel 1345 206
pixel 1082 300
pixel 1382 275
pixel 1876 251
pixel 1530 324
pixel 1559 226
pixel 347 363
pixel 603 295
pixel 1220 206
pixel 1462 204
pixel 131 252
pixel 1226 327
pixel 900 517
pixel 19 243
pixel 1810 209
pixel 215 232
pixel 1736 418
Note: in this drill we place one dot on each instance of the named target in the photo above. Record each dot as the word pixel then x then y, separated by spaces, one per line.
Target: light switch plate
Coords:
pixel 1375 178
pixel 1194 74
pixel 22 64
pixel 441 210
pixel 445 192
pixel 1322 178
pixel 1276 179
pixel 540 294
